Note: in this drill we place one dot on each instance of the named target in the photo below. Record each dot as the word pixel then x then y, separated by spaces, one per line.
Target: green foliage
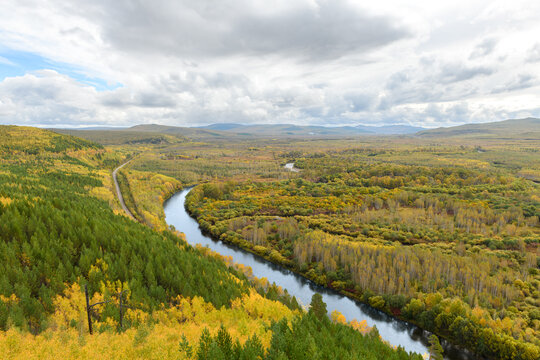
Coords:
pixel 435 348
pixel 52 232
pixel 309 337
pixel 393 234
pixel 377 302
pixel 318 307
pixel 185 347
pixel 306 337
pixel 444 236
pixel 222 347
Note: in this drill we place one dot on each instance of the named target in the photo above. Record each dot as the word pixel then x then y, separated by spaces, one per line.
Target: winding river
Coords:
pixel 395 331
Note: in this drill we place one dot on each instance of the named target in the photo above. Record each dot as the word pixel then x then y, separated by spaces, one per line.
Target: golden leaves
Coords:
pixel 154 335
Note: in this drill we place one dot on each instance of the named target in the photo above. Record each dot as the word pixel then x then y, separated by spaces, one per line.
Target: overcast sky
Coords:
pixel 195 62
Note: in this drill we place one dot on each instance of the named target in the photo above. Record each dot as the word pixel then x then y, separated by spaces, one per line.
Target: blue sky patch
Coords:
pixel 18 63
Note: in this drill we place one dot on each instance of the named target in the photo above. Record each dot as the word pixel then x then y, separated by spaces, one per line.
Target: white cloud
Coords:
pixel 484 48
pixel 274 61
pixel 5 61
pixel 533 54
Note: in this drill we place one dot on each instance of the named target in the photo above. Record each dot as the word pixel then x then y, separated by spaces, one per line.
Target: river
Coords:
pixel 290 167
pixel 394 331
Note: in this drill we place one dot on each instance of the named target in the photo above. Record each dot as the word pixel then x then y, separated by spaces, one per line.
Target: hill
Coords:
pixel 391 129
pixel 143 134
pixel 310 130
pixel 119 137
pixel 57 229
pixel 177 130
pixel 163 134
pixel 256 130
pixel 525 129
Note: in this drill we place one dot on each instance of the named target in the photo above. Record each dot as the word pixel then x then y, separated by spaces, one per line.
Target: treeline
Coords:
pixel 197 162
pixel 377 267
pixel 31 141
pixel 401 274
pixel 312 336
pixel 306 337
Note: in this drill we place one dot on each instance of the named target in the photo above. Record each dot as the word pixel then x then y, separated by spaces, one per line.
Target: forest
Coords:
pixel 436 235
pixel 440 232
pixel 61 229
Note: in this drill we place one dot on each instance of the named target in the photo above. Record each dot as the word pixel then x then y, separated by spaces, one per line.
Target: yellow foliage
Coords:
pixel 361 326
pixel 338 317
pixel 102 193
pixel 11 299
pixel 480 315
pixel 468 163
pixel 258 307
pixel 156 337
pixel 71 307
pixel 149 191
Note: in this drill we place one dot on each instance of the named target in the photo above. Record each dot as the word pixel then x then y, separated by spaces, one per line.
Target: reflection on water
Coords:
pixel 395 331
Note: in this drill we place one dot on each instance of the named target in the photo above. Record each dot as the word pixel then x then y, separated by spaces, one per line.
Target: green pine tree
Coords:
pixel 435 348
pixel 318 307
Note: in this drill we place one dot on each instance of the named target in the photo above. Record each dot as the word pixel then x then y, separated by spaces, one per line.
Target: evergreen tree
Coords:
pixel 318 307
pixel 435 348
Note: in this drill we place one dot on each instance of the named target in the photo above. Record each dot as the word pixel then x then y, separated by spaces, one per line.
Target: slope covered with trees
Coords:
pixel 144 194
pixel 54 232
pixel 60 230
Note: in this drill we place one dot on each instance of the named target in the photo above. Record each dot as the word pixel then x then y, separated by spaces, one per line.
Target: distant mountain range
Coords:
pixel 528 128
pixel 176 130
pixel 297 130
pixel 522 128
pixel 391 129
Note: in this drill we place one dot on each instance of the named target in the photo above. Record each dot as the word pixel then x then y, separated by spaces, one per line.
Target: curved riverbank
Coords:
pixel 395 331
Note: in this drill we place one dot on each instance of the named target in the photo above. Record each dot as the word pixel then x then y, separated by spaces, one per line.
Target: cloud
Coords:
pixel 45 97
pixel 533 54
pixel 484 48
pixel 308 30
pixel 359 101
pixel 456 72
pixel 272 61
pixel 5 61
pixel 432 80
pixel 523 81
pixel 124 98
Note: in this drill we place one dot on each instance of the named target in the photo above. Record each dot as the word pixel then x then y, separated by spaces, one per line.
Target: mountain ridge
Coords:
pixel 526 128
pixel 523 128
pixel 315 129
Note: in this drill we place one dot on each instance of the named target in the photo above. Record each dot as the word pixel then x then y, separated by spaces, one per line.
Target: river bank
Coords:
pixel 396 331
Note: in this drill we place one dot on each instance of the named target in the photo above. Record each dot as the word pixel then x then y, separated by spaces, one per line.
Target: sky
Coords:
pixel 317 62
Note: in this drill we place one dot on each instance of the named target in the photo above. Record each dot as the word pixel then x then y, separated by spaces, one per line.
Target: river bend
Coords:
pixel 395 331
